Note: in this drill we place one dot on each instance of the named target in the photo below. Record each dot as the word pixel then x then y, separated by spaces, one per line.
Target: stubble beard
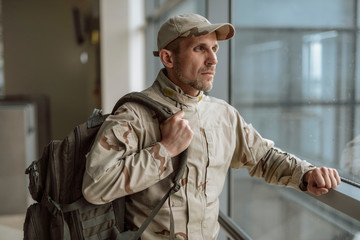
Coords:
pixel 198 84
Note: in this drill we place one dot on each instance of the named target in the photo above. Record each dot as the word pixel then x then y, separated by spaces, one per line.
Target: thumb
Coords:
pixel 179 114
pixel 315 188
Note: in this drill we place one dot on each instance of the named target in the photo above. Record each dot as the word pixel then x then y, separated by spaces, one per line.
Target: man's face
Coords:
pixel 194 66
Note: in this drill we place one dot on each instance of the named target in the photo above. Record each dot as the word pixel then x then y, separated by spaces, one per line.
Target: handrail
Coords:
pixel 344 198
pixel 231 229
pixel 348 181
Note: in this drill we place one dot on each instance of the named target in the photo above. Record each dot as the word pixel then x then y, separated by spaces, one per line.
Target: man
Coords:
pixel 134 154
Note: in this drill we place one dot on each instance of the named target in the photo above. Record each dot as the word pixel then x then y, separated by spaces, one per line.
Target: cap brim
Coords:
pixel 223 31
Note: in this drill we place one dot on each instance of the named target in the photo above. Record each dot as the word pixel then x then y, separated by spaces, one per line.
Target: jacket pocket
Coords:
pixel 219 147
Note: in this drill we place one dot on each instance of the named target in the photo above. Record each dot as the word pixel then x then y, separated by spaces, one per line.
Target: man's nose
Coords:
pixel 212 58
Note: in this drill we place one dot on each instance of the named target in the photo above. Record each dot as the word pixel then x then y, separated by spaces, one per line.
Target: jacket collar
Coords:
pixel 169 89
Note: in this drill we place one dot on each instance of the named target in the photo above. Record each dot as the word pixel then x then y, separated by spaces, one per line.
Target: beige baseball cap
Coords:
pixel 191 25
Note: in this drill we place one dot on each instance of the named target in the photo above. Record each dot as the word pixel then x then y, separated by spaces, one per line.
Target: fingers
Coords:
pixel 322 179
pixel 178 118
pixel 176 133
pixel 317 191
pixel 318 178
pixel 178 121
pixel 177 115
pixel 315 182
pixel 331 177
pixel 336 176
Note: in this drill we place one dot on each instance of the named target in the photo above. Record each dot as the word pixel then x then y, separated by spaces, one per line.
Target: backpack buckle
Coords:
pixel 52 206
pixel 176 187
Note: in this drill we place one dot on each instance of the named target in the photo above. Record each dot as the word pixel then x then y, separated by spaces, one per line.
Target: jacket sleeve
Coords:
pixel 259 156
pixel 281 168
pixel 118 164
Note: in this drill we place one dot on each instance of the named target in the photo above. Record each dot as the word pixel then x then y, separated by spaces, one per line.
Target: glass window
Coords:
pixel 291 13
pixel 295 78
pixel 300 82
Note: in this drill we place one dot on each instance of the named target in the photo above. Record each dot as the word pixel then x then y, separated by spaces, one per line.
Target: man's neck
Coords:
pixel 187 89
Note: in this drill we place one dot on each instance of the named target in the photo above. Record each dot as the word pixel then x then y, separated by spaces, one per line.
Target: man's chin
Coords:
pixel 208 87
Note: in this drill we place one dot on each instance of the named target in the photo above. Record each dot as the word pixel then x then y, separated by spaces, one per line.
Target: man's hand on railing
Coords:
pixel 320 180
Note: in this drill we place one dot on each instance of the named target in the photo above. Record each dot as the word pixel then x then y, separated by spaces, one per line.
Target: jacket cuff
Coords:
pixel 297 179
pixel 303 184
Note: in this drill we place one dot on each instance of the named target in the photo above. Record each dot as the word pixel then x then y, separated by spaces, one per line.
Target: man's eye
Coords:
pixel 198 49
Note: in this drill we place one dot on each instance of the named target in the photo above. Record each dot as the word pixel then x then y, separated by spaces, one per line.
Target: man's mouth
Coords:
pixel 208 73
pixel 209 70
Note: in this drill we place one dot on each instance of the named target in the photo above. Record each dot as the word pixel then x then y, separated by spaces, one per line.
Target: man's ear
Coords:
pixel 166 57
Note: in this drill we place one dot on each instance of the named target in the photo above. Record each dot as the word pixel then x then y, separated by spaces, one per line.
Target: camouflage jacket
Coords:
pixel 128 159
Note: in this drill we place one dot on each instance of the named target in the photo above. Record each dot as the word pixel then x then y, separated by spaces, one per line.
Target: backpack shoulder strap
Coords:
pixel 163 112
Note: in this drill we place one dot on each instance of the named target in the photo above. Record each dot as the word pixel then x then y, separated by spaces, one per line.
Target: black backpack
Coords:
pixel 60 211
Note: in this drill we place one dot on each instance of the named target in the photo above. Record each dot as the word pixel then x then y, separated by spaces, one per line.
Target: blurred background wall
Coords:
pixel 43 55
pixel 59 60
